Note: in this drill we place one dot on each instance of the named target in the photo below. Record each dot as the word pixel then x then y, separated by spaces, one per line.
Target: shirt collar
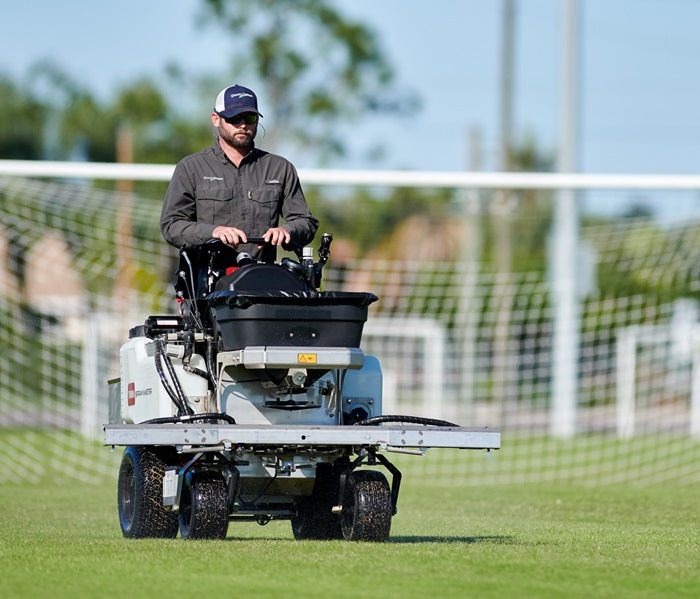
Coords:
pixel 221 155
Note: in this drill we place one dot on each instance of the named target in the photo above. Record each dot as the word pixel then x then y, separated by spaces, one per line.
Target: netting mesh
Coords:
pixel 80 266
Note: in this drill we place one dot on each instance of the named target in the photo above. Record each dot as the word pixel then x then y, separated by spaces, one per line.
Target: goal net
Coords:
pixel 456 340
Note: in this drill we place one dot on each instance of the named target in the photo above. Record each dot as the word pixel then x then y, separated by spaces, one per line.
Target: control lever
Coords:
pixel 315 271
pixel 324 251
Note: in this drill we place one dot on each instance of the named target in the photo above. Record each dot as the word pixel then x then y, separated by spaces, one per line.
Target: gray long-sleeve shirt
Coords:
pixel 208 190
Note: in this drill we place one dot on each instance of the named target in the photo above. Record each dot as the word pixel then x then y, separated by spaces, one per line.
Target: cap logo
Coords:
pixel 234 99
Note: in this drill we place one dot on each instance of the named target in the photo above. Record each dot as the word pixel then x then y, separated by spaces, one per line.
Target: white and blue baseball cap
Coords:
pixel 234 100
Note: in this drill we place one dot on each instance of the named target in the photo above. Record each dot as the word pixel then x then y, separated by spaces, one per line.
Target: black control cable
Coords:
pixel 192 418
pixel 404 419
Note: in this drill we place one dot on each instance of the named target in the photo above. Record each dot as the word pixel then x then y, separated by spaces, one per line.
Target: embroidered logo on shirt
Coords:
pixel 213 178
pixel 273 182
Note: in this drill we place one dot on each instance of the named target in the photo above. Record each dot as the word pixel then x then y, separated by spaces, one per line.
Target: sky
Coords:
pixel 639 78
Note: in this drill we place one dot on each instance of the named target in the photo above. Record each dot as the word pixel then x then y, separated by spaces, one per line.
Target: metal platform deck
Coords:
pixel 388 437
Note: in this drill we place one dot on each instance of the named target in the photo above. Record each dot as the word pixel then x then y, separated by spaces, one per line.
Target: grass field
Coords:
pixel 540 540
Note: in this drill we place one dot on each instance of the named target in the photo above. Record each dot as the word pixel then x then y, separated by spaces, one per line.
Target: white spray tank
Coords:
pixel 143 395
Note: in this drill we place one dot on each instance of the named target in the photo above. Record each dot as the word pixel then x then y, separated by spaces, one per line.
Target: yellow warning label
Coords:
pixel 306 358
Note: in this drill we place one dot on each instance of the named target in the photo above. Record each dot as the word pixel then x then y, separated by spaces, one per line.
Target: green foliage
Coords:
pixel 369 218
pixel 278 44
pixel 89 228
pixel 26 327
pixel 71 122
pixel 527 155
pixel 275 42
pixel 22 123
pixel 140 103
pixel 639 264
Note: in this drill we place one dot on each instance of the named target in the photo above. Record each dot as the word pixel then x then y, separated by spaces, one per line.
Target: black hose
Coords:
pixel 187 358
pixel 191 289
pixel 191 418
pixel 211 363
pixel 161 375
pixel 176 383
pixel 405 419
pixel 179 398
pixel 188 349
pixel 198 372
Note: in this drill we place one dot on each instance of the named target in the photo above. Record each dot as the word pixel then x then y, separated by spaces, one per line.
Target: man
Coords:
pixel 233 191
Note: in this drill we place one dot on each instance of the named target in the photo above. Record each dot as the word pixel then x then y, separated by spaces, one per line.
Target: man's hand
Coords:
pixel 230 235
pixel 277 236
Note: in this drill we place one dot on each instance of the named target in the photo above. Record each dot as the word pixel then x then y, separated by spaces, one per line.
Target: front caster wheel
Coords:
pixel 367 507
pixel 203 507
pixel 314 519
pixel 140 495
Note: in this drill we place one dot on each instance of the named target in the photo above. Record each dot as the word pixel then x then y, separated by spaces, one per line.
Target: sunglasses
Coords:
pixel 249 118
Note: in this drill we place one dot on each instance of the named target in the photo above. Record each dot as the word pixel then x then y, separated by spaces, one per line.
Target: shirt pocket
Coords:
pixel 266 205
pixel 214 205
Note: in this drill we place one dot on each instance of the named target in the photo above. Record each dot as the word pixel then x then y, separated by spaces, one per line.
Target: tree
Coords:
pixel 278 43
pixel 22 124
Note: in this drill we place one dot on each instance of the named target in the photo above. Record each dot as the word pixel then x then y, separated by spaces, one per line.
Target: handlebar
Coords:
pixel 292 245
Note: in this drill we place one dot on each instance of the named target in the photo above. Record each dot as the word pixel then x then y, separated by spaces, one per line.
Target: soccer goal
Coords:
pixel 594 341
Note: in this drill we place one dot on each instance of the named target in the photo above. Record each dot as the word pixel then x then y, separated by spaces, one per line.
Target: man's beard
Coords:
pixel 236 140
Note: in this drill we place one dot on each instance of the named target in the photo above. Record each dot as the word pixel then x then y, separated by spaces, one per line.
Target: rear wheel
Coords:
pixel 367 507
pixel 140 495
pixel 203 507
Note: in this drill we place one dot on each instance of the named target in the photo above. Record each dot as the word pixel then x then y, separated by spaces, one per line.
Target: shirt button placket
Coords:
pixel 242 204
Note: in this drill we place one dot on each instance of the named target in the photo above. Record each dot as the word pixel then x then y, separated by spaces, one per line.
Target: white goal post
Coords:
pixel 392 178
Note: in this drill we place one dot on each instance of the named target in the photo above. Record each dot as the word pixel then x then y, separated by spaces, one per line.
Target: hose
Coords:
pixel 176 383
pixel 405 419
pixel 187 357
pixel 198 372
pixel 161 374
pixel 191 418
pixel 178 395
pixel 210 358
